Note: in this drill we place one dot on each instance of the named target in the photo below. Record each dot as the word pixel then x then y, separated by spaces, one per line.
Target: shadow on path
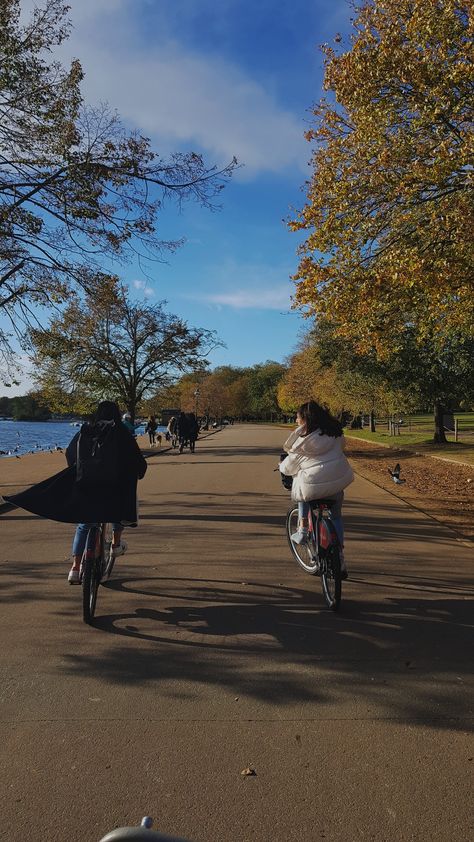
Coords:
pixel 403 658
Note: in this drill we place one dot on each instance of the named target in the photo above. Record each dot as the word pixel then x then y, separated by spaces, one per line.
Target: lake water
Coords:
pixel 19 437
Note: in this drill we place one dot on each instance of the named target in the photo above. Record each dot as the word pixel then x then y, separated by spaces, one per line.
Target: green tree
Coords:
pixel 263 380
pixel 117 349
pixel 443 380
pixel 30 408
pixel 75 187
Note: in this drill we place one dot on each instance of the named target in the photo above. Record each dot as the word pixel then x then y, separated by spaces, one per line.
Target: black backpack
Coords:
pixel 97 460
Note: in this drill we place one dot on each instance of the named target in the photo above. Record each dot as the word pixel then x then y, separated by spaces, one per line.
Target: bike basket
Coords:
pixel 287 481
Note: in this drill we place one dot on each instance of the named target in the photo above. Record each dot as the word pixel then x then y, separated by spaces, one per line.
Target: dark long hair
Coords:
pixel 317 417
pixel 108 411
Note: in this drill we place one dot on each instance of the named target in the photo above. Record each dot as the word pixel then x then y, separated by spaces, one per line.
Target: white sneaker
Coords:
pixel 300 537
pixel 120 550
pixel 74 577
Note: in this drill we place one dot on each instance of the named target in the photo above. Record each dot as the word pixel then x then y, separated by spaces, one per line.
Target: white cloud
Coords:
pixel 178 97
pixel 244 286
pixel 147 290
pixel 254 299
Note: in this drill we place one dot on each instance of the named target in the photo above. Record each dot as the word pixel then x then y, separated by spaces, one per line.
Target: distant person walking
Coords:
pixel 193 430
pixel 172 430
pixel 128 423
pixel 151 429
pixel 182 426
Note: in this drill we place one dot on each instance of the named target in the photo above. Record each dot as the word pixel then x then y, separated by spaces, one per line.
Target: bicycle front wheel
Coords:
pixel 91 576
pixel 305 554
pixel 107 557
pixel 331 578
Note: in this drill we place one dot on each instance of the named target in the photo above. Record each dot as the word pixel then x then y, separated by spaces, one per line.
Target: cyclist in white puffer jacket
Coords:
pixel 317 463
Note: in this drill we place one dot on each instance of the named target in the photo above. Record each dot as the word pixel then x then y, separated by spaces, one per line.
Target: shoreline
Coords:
pixel 26 470
pixel 31 468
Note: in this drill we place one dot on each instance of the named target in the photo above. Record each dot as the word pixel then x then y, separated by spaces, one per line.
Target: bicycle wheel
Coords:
pixel 91 575
pixel 107 559
pixel 305 554
pixel 331 577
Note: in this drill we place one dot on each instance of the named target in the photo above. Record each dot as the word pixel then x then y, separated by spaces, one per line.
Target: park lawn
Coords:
pixel 418 442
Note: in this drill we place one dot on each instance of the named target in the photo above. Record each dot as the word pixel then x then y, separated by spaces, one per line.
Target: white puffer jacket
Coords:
pixel 317 464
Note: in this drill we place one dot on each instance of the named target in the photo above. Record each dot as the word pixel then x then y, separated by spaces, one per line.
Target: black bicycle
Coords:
pixel 96 566
pixel 320 554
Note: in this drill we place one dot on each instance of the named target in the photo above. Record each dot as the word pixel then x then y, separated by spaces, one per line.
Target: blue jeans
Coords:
pixel 336 514
pixel 80 538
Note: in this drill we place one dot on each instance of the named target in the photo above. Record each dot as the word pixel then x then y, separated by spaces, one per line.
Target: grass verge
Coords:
pixel 418 443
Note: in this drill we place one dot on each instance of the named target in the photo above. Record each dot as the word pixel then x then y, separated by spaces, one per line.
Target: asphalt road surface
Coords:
pixel 213 653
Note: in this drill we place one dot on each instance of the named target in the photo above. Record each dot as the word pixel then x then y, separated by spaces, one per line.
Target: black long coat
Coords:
pixel 60 498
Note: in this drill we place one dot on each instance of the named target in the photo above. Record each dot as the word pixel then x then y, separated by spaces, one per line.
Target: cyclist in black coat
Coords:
pixel 62 498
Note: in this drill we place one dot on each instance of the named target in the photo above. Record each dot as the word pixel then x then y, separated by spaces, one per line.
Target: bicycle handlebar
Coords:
pixel 140 834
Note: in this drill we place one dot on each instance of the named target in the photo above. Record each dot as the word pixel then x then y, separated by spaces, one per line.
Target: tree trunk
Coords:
pixel 372 422
pixel 439 436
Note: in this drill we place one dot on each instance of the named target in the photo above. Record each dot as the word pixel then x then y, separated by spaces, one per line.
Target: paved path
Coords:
pixel 212 652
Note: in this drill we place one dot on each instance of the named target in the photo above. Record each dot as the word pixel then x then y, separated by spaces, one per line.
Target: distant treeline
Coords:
pixel 24 408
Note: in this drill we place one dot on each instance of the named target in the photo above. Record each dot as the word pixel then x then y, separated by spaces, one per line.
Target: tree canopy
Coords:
pixel 75 187
pixel 116 349
pixel 390 205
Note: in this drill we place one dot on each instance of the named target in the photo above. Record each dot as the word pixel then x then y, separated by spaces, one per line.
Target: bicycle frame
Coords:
pixel 322 529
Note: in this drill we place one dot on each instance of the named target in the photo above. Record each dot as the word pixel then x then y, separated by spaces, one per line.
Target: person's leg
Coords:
pixel 301 535
pixel 303 510
pixel 118 546
pixel 79 542
pixel 78 547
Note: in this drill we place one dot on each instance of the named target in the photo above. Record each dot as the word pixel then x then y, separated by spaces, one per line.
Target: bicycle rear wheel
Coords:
pixel 305 554
pixel 91 575
pixel 331 577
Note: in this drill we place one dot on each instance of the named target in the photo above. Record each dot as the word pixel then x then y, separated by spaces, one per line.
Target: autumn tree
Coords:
pixel 390 206
pixel 75 187
pixel 117 349
pixel 331 371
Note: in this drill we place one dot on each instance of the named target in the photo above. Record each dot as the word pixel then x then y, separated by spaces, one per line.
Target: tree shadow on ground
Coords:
pixel 404 658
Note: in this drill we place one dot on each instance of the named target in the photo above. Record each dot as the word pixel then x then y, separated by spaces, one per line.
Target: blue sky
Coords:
pixel 221 77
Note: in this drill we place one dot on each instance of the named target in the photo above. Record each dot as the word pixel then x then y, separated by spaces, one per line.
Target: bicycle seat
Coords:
pixel 324 501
